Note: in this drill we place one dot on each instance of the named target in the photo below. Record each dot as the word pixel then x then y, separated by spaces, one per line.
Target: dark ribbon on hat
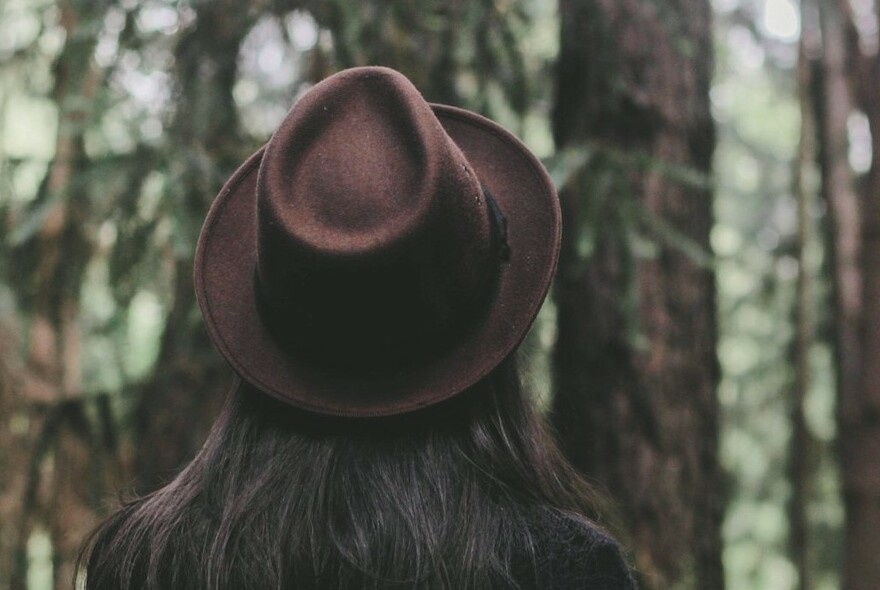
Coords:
pixel 497 226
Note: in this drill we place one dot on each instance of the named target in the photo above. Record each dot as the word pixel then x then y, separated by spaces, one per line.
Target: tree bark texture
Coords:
pixel 850 80
pixel 636 408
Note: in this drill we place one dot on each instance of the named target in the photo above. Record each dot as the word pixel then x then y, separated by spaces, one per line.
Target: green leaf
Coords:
pixel 677 239
pixel 567 163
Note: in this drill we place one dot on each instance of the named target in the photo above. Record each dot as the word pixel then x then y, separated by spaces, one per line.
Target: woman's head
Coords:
pixel 366 274
pixel 281 498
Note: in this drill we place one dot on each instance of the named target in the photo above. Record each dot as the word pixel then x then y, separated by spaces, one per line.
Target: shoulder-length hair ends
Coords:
pixel 280 498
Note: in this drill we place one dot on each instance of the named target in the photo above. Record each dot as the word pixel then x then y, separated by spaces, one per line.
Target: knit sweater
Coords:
pixel 571 555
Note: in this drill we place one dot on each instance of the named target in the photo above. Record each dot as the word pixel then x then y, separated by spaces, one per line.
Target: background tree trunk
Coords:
pixel 635 363
pixel 850 78
pixel 178 404
pixel 801 455
pixel 47 400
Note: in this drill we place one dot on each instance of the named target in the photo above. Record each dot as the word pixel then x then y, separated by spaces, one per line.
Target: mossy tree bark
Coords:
pixel 635 362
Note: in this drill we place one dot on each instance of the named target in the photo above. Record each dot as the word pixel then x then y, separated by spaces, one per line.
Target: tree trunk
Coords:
pixel 60 441
pixel 178 404
pixel 801 463
pixel 855 235
pixel 635 363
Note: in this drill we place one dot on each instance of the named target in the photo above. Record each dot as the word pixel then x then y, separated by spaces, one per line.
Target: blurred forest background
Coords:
pixel 710 354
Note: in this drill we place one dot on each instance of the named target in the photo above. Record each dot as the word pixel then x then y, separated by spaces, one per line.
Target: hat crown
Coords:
pixel 374 238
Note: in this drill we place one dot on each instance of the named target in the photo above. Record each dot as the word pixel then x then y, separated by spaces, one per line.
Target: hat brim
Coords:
pixel 225 269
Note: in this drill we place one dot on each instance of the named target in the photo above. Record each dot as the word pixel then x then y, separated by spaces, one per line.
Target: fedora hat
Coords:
pixel 379 254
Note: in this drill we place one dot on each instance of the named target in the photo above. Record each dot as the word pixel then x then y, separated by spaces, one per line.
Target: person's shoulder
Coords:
pixel 569 552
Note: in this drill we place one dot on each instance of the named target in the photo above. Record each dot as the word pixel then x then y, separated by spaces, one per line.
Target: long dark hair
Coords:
pixel 281 499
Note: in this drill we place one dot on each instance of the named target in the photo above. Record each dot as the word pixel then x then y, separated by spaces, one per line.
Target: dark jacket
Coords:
pixel 571 555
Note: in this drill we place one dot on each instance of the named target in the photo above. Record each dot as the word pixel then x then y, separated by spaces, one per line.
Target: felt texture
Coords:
pixel 349 267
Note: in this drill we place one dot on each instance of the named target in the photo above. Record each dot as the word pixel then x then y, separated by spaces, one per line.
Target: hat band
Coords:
pixel 497 226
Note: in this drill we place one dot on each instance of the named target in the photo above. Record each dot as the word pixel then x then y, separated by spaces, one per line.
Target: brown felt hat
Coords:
pixel 380 253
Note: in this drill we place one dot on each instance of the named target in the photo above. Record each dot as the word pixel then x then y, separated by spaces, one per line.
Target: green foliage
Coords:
pixel 610 211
